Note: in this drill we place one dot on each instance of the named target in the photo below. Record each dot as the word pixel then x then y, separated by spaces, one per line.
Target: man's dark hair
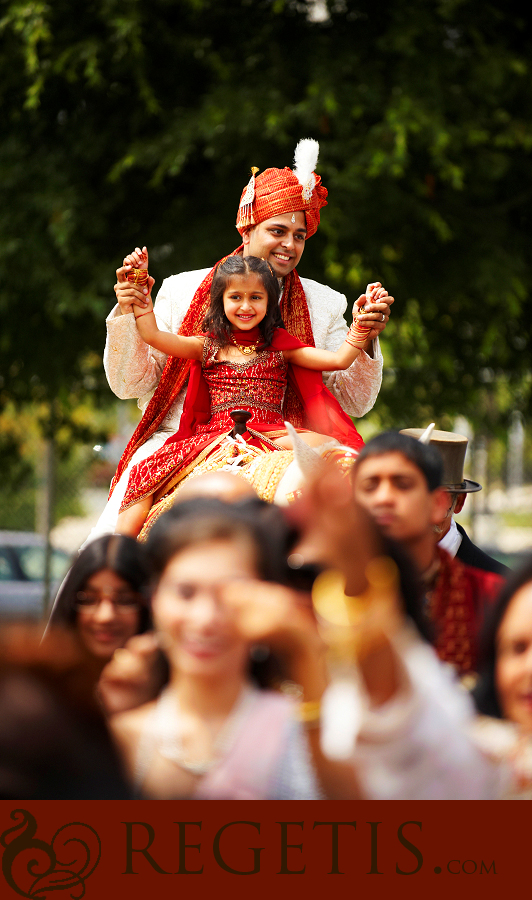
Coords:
pixel 426 457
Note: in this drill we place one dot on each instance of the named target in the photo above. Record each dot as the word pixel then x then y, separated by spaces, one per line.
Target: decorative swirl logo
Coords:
pixel 34 868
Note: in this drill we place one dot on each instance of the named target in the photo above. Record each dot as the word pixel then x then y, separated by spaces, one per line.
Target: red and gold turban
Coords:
pixel 277 191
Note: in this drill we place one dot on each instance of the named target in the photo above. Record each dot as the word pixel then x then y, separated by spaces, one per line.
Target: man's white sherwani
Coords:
pixel 133 368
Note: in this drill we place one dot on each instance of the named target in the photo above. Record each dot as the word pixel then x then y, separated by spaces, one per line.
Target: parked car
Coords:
pixel 22 573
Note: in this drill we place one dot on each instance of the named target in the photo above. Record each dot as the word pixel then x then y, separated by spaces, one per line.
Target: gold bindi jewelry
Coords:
pixel 246 351
pixel 293 219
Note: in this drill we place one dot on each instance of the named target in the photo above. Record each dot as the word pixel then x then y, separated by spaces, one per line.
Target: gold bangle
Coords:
pixel 309 713
pixel 355 329
pixel 138 277
pixel 358 335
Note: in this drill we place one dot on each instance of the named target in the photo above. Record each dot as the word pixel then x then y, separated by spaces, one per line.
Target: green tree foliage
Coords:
pixel 128 122
pixel 76 465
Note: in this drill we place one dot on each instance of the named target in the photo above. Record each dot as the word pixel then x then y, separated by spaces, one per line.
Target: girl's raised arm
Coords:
pixel 324 360
pixel 171 344
pixel 358 338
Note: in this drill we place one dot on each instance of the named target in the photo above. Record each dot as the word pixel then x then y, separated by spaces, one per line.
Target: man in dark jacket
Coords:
pixel 398 481
pixel 453 537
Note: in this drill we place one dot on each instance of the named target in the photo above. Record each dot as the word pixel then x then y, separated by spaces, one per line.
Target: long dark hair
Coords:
pixel 217 323
pixel 485 691
pixel 122 555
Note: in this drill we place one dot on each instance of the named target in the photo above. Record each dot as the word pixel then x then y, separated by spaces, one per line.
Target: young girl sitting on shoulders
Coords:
pixel 245 359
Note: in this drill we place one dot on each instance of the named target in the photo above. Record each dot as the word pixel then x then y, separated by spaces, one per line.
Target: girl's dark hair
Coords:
pixel 485 691
pixel 124 556
pixel 216 322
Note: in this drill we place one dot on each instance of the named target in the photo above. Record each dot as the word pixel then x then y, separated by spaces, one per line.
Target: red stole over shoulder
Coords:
pixel 321 411
pixel 296 316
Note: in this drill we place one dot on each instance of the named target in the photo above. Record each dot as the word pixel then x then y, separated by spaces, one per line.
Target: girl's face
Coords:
pixel 245 301
pixel 197 627
pixel 108 613
pixel 513 673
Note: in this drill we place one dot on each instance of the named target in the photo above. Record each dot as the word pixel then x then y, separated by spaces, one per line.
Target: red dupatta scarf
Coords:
pixel 296 317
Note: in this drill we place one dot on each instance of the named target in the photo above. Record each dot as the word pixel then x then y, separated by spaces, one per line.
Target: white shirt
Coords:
pixel 452 540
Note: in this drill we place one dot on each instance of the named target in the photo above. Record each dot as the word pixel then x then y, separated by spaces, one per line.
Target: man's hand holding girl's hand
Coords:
pixel 128 294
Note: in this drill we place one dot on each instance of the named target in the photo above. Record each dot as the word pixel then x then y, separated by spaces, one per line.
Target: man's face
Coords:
pixel 395 493
pixel 455 504
pixel 278 240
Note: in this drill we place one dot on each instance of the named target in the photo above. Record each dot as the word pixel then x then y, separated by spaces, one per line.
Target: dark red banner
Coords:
pixel 145 849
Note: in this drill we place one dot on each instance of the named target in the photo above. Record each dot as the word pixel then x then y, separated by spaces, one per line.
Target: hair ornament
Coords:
pixel 245 210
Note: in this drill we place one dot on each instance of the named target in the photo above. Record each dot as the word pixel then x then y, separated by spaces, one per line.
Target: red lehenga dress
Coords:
pixel 217 387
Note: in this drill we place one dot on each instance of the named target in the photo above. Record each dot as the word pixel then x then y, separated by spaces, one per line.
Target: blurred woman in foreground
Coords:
pixel 503 694
pixel 104 602
pixel 393 719
pixel 213 733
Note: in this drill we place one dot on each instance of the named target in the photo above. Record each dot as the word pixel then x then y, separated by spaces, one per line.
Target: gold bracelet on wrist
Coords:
pixel 357 337
pixel 358 330
pixel 138 277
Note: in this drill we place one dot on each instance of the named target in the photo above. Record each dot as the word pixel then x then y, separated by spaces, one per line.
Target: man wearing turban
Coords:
pixel 279 210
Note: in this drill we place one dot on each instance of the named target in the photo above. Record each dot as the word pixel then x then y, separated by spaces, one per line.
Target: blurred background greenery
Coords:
pixel 128 123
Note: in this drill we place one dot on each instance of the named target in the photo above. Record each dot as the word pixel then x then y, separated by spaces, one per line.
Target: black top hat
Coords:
pixel 453 450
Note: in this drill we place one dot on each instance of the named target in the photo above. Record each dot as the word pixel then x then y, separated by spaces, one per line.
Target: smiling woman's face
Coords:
pixel 513 672
pixel 197 628
pixel 108 620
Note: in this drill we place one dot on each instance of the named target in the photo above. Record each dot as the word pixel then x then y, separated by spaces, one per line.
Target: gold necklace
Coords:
pixel 246 351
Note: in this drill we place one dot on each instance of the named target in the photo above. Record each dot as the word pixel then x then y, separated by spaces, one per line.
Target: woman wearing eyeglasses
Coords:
pixel 105 600
pixel 104 597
